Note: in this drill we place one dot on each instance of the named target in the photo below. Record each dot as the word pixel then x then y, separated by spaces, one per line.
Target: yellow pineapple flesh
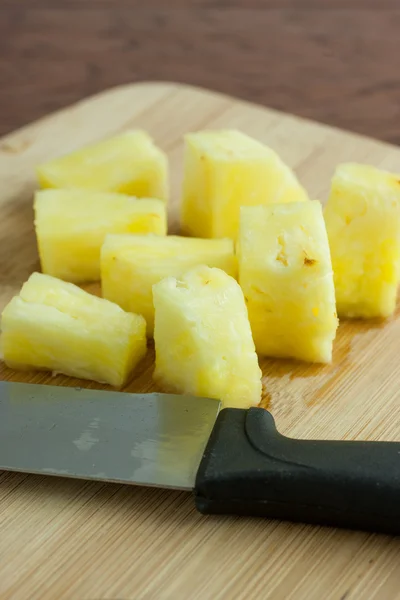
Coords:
pixel 203 340
pixel 286 276
pixel 363 222
pixel 132 264
pixel 53 325
pixel 225 170
pixel 129 164
pixel 71 226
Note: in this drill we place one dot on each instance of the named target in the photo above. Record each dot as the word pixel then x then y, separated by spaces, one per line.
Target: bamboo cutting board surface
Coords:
pixel 69 539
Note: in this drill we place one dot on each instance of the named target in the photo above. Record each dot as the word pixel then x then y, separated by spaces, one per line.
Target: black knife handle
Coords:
pixel 248 468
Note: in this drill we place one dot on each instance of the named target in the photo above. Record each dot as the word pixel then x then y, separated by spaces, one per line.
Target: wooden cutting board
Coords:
pixel 75 540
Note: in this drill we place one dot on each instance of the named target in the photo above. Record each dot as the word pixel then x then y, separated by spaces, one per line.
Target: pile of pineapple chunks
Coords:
pixel 262 269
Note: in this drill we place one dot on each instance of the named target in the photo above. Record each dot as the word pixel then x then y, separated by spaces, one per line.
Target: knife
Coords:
pixel 234 460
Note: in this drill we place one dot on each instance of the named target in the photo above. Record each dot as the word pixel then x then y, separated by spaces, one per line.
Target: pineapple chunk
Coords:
pixel 363 222
pixel 129 164
pixel 71 226
pixel 132 264
pixel 203 340
pixel 286 276
pixel 56 326
pixel 225 170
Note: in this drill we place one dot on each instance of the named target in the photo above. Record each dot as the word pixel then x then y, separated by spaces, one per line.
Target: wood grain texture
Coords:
pixel 330 60
pixel 67 539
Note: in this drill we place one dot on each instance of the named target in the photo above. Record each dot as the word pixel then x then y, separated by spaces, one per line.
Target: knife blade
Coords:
pixel 234 460
pixel 143 439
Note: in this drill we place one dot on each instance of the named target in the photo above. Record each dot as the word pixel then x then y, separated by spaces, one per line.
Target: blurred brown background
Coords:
pixel 331 60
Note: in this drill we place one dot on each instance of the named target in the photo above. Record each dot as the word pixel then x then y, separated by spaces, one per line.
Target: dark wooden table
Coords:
pixel 336 61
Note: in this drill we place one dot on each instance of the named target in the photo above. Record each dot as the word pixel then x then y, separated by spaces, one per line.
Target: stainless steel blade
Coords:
pixel 145 439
